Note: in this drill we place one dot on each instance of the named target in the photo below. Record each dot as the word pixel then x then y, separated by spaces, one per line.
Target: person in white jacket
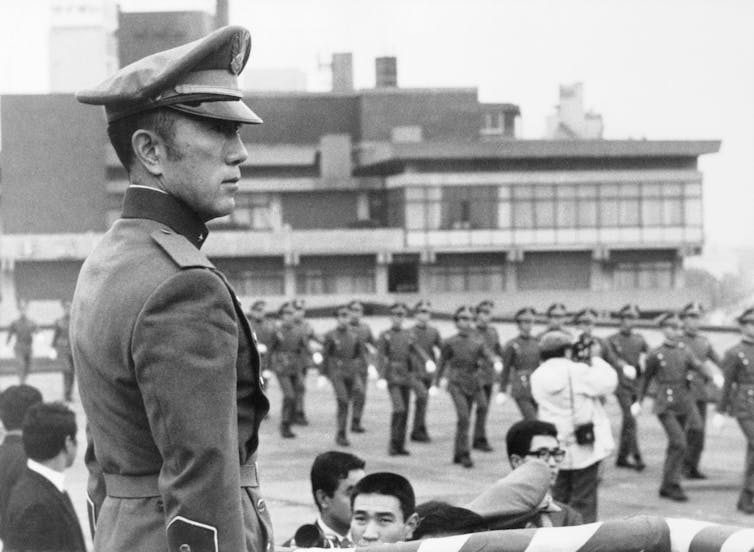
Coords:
pixel 570 395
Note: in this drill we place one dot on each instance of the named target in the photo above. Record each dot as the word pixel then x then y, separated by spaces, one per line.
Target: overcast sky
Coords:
pixel 660 69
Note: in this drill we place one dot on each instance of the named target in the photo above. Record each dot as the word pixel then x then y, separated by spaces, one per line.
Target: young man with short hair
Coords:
pixel 528 440
pixel 384 509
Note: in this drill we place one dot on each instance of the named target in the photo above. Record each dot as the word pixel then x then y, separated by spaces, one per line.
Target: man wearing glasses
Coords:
pixel 529 440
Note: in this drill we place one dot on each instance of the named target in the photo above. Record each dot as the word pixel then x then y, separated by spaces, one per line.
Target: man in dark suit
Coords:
pixel 40 514
pixel 14 402
pixel 169 371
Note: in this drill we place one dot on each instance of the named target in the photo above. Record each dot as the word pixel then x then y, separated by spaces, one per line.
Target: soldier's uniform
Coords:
pixel 737 400
pixel 628 346
pixel 700 389
pixel 62 345
pixel 304 362
pixel 520 359
pixel 487 375
pixel 362 365
pixel 288 345
pixel 669 366
pixel 264 331
pixel 460 362
pixel 395 347
pixel 167 365
pixel 23 328
pixel 341 350
pixel 556 317
pixel 428 338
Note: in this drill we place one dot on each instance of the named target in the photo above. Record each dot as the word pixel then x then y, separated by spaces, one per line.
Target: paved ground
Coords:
pixel 284 464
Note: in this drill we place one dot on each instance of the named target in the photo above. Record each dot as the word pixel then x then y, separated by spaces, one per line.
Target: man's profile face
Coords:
pixel 525 326
pixel 202 165
pixel 627 323
pixel 338 506
pixel 539 442
pixel 378 519
pixel 691 323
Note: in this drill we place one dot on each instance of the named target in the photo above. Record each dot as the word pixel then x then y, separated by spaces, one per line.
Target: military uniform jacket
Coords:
pixel 264 331
pixel 427 337
pixel 288 346
pixel 395 348
pixel 305 359
pixel 669 365
pixel 737 397
pixel 170 383
pixel 341 350
pixel 702 349
pixel 628 347
pixel 490 339
pixel 365 335
pixel 23 329
pixel 462 356
pixel 520 359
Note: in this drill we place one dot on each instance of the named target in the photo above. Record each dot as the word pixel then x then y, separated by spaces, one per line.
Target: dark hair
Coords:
pixel 437 518
pixel 560 352
pixel 161 121
pixel 45 428
pixel 519 436
pixel 15 401
pixel 329 468
pixel 390 484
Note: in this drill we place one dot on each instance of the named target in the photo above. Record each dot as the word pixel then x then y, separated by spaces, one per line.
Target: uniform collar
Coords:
pixel 152 204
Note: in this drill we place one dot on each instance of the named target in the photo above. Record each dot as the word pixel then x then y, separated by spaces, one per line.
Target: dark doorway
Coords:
pixel 403 277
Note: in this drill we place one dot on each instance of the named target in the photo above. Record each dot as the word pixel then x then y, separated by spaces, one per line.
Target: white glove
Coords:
pixel 430 366
pixel 501 397
pixel 267 374
pixel 321 381
pixel 262 348
pixel 629 371
pixel 433 391
pixel 382 384
pixel 498 365
pixel 443 383
pixel 372 371
pixel 718 421
pixel 718 380
pixel 317 358
pixel 53 354
pixel 636 409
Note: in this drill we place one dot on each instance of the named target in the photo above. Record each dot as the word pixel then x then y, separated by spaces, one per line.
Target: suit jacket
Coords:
pixel 12 467
pixel 41 518
pixel 170 381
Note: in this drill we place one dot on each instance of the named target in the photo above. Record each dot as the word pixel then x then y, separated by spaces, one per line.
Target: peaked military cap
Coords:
pixel 343 309
pixel 464 309
pixel 629 311
pixel 554 340
pixel 398 308
pixel 669 318
pixel 526 314
pixel 746 316
pixel 287 306
pixel 355 305
pixel 692 309
pixel 423 305
pixel 259 304
pixel 586 315
pixel 557 309
pixel 485 305
pixel 199 78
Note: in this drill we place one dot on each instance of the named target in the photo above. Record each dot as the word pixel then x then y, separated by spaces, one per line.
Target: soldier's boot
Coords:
pixel 285 431
pixel 341 440
pixel 466 461
pixel 420 436
pixel 674 493
pixel 356 426
pixel 639 464
pixel 482 444
pixel 746 502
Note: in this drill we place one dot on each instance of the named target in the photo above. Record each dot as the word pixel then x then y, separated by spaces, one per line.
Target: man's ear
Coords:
pixel 323 501
pixel 149 150
pixel 410 526
pixel 515 460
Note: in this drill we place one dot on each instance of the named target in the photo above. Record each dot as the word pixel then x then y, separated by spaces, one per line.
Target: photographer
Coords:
pixel 569 395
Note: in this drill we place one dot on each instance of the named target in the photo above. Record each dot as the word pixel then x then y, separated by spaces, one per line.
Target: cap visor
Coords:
pixel 236 111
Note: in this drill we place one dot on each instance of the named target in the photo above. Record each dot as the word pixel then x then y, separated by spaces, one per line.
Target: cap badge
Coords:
pixel 237 54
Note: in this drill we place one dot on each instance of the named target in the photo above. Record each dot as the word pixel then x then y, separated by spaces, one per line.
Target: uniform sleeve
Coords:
pixel 650 369
pixel 712 355
pixel 509 357
pixel 327 349
pixel 446 353
pixel 184 348
pixel 730 367
pixel 382 355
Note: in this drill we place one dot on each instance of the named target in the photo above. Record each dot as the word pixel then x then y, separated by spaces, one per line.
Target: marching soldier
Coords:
pixel 557 314
pixel 737 399
pixel 264 330
pixel 62 345
pixel 341 349
pixel 428 338
pixel 462 356
pixel 488 372
pixel 670 365
pixel 23 328
pixel 363 366
pixel 288 346
pixel 520 359
pixel 395 347
pixel 306 359
pixel 701 347
pixel 628 346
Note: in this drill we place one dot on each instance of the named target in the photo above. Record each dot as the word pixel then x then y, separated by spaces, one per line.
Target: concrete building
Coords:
pixel 378 193
pixel 570 120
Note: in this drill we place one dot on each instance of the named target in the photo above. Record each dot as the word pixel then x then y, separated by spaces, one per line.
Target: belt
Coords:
pixel 145 486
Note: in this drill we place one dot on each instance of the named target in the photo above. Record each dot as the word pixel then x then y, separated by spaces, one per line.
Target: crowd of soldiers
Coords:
pixel 683 374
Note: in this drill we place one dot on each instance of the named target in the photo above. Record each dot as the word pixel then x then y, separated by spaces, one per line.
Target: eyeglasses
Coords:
pixel 545 454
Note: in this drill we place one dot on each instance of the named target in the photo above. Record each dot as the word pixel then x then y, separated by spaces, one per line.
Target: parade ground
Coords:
pixel 284 463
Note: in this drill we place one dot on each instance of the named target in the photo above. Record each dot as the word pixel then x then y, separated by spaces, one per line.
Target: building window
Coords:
pixel 461 278
pixel 644 275
pixel 493 123
pixel 252 212
pixel 257 283
pixel 332 280
pixel 465 207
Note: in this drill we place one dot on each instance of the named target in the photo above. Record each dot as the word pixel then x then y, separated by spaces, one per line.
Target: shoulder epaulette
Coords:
pixel 178 248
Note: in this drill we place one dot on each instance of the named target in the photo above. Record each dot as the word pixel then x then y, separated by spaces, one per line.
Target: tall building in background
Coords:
pixel 82 42
pixel 570 121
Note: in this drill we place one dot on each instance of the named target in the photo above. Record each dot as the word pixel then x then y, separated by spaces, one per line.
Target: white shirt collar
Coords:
pixel 148 188
pixel 329 532
pixel 55 477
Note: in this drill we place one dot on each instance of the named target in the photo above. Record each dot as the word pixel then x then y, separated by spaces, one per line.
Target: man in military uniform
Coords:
pixel 307 359
pixel 737 399
pixel 489 371
pixel 520 359
pixel 428 338
pixel 23 329
pixel 702 388
pixel 460 362
pixel 288 346
pixel 629 347
pixel 168 368
pixel 363 366
pixel 669 365
pixel 62 346
pixel 264 330
pixel 395 347
pixel 557 314
pixel 341 350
